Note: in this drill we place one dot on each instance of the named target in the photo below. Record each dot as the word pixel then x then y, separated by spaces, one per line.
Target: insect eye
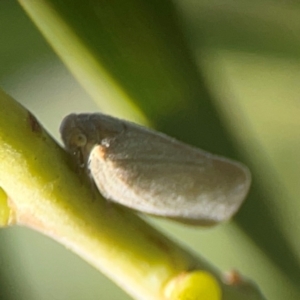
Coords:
pixel 79 140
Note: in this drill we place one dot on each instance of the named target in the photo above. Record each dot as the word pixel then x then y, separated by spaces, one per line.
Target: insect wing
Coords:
pixel 153 173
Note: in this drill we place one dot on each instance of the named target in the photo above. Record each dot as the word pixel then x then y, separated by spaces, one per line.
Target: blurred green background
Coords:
pixel 249 53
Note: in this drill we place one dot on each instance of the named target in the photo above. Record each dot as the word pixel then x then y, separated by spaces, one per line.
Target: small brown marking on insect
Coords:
pixel 34 124
pixel 102 151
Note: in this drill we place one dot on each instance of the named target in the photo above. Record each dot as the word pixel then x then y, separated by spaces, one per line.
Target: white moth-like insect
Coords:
pixel 152 173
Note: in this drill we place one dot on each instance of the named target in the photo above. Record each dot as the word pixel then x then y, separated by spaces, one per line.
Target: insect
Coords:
pixel 153 173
